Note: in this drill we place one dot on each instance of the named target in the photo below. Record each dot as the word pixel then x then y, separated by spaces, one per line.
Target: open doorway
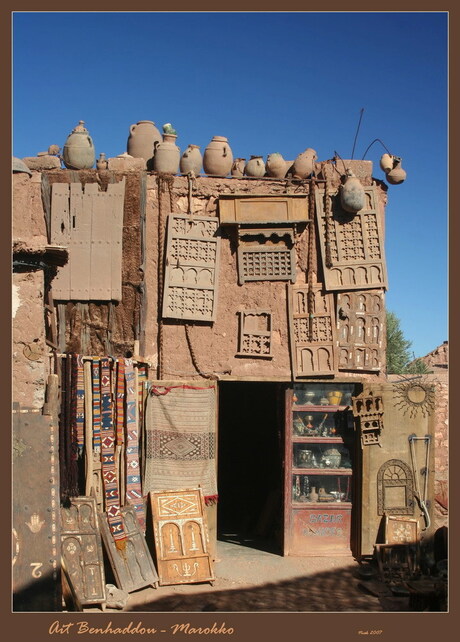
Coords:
pixel 250 464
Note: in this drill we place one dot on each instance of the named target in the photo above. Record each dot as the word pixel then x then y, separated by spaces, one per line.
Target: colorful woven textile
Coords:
pixel 96 406
pixel 180 432
pixel 133 477
pixel 80 404
pixel 68 448
pixel 120 414
pixel 109 474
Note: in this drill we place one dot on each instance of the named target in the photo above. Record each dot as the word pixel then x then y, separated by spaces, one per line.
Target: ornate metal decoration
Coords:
pixel 192 268
pixel 414 396
pixel 255 333
pixel 395 474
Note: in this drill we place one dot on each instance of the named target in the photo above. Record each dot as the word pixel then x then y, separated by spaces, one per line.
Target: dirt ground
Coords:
pixel 250 579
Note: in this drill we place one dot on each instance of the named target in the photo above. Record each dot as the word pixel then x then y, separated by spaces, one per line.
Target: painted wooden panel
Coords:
pixel 360 329
pixel 312 338
pixel 192 268
pixel 133 568
pixel 321 531
pixel 352 247
pixel 236 209
pixel 36 572
pixel 82 550
pixel 181 537
pixel 90 223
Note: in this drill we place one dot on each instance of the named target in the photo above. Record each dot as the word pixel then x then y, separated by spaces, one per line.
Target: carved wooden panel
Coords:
pixel 82 550
pixel 36 572
pixel 369 410
pixel 312 338
pixel 360 329
pixel 395 488
pixel 351 246
pixel 255 333
pixel 400 530
pixel 133 568
pixel 90 223
pixel 236 209
pixel 181 537
pixel 266 255
pixel 192 268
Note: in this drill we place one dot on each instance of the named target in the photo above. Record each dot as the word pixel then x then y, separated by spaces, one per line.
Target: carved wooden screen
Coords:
pixel 352 247
pixel 395 488
pixel 313 345
pixel 82 550
pixel 90 223
pixel 255 333
pixel 181 537
pixel 36 572
pixel 266 254
pixel 360 329
pixel 133 568
pixel 192 268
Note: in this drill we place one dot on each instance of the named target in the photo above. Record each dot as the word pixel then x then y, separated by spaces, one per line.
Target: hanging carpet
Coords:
pixel 180 434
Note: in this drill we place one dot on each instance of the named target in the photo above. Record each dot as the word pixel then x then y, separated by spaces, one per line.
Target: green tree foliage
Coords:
pixel 399 358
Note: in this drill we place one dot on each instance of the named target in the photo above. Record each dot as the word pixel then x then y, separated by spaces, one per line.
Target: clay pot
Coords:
pixel 352 196
pixel 142 138
pixel 397 174
pixel 166 157
pixel 79 152
pixel 386 162
pixel 218 157
pixel 238 167
pixel 255 167
pixel 276 166
pixel 191 160
pixel 304 163
pixel 101 162
pixel 313 496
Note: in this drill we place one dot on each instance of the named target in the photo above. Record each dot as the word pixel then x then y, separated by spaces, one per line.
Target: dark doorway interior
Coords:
pixel 250 456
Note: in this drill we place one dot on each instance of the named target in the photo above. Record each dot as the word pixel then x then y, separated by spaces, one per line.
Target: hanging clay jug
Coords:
pixel 352 195
pixel 191 160
pixel 166 157
pixel 276 166
pixel 79 152
pixel 142 138
pixel 304 163
pixel 101 162
pixel 397 174
pixel 218 157
pixel 255 167
pixel 386 162
pixel 238 167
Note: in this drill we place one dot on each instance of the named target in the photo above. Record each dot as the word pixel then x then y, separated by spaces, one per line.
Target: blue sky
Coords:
pixel 270 82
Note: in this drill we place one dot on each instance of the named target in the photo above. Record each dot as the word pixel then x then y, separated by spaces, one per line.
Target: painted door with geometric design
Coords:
pixel 181 537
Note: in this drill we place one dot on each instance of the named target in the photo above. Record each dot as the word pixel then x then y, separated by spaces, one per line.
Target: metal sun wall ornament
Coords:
pixel 255 333
pixel 360 329
pixel 395 488
pixel 351 245
pixel 312 331
pixel 192 268
pixel 266 254
pixel 414 396
pixel 181 537
pixel 369 410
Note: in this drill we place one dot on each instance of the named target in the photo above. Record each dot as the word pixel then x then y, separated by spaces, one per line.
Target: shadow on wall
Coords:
pixel 334 591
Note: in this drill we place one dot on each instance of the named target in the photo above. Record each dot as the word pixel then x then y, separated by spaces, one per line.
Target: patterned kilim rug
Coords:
pixel 180 434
